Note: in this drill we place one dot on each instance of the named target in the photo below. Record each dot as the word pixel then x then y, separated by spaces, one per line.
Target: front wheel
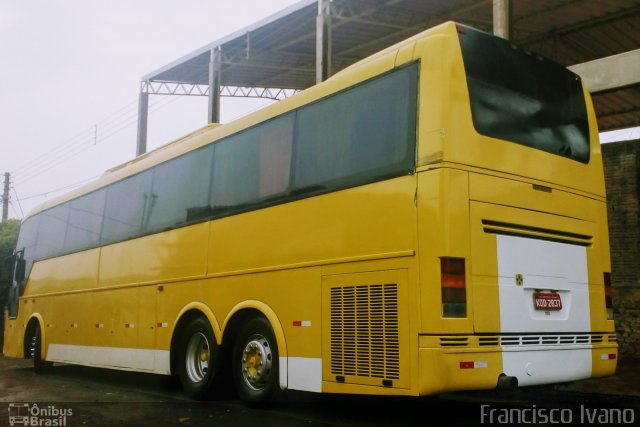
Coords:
pixel 255 363
pixel 198 363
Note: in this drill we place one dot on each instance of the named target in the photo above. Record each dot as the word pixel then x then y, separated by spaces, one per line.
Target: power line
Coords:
pixel 114 125
pixel 18 200
pixel 55 190
pixel 81 135
pixel 86 137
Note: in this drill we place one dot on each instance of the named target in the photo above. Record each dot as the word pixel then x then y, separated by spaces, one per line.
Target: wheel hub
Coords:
pixel 256 362
pixel 197 357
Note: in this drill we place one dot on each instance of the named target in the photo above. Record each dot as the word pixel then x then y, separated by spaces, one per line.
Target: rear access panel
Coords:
pixel 531 290
pixel 365 338
pixel 543 286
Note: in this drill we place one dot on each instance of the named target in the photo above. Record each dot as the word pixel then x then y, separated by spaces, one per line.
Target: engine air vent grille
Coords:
pixel 364 331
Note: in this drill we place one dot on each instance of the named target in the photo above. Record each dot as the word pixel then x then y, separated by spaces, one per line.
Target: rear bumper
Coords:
pixel 458 366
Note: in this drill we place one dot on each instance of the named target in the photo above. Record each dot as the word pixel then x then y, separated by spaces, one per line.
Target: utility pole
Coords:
pixel 5 197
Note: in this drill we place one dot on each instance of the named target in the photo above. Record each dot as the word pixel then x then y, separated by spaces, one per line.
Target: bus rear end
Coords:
pixel 515 269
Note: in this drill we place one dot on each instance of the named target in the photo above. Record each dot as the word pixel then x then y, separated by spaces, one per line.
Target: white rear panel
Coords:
pixel 546 266
pixel 529 265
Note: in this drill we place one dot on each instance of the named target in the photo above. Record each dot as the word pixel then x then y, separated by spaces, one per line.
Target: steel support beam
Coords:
pixel 323 41
pixel 214 85
pixel 611 72
pixel 143 116
pixel 502 18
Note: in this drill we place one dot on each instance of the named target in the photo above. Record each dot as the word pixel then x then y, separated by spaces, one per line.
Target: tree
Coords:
pixel 8 237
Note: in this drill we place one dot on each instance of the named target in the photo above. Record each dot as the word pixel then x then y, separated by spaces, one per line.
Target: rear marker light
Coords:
pixel 453 286
pixel 610 356
pixel 608 295
pixel 474 365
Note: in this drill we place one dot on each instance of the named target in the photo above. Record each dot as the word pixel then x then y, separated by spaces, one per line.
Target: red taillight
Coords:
pixel 608 295
pixel 454 288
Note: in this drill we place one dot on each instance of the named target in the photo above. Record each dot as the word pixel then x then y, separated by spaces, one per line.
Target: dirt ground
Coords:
pixel 80 396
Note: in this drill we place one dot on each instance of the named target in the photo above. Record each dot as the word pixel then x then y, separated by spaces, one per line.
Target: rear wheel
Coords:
pixel 198 359
pixel 40 366
pixel 255 363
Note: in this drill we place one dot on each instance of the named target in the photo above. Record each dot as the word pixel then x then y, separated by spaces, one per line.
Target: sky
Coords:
pixel 70 78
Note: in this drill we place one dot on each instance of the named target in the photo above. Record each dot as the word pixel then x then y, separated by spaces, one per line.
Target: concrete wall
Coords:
pixel 622 175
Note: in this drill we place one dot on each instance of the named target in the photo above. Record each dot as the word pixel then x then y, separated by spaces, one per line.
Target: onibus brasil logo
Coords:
pixel 32 414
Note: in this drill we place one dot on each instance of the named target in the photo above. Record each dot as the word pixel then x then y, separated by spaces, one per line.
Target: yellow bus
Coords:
pixel 432 218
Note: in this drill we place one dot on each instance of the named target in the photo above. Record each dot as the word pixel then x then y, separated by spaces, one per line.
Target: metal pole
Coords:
pixel 5 197
pixel 214 85
pixel 323 41
pixel 502 18
pixel 143 115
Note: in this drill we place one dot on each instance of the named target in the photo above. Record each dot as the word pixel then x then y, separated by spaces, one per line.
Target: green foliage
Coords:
pixel 8 237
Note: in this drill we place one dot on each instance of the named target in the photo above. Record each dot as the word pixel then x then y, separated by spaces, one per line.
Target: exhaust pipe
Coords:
pixel 506 382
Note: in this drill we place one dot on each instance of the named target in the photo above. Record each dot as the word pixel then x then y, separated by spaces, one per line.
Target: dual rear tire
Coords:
pixel 254 361
pixel 198 359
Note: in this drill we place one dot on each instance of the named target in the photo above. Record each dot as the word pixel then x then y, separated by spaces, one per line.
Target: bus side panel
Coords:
pixel 13 336
pixel 370 221
pixel 273 255
pixel 73 272
pixel 443 229
pixel 173 255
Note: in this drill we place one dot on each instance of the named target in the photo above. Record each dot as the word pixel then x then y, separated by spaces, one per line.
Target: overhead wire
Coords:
pixel 82 135
pixel 83 139
pixel 106 129
pixel 18 201
pixel 55 190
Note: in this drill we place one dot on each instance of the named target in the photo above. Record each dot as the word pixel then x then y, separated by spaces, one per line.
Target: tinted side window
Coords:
pixel 52 228
pixel 27 240
pixel 252 166
pixel 275 141
pixel 85 221
pixel 360 135
pixel 128 203
pixel 180 190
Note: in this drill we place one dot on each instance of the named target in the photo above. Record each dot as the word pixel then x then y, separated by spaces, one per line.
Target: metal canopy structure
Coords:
pixel 305 43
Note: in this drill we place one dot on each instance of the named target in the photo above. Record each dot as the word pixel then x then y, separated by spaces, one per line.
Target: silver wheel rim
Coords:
pixel 197 357
pixel 257 361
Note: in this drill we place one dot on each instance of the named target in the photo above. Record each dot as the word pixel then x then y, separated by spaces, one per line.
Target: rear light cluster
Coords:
pixel 454 289
pixel 608 295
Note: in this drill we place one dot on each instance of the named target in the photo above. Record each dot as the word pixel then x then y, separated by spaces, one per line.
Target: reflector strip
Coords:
pixel 302 323
pixel 611 356
pixel 474 365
